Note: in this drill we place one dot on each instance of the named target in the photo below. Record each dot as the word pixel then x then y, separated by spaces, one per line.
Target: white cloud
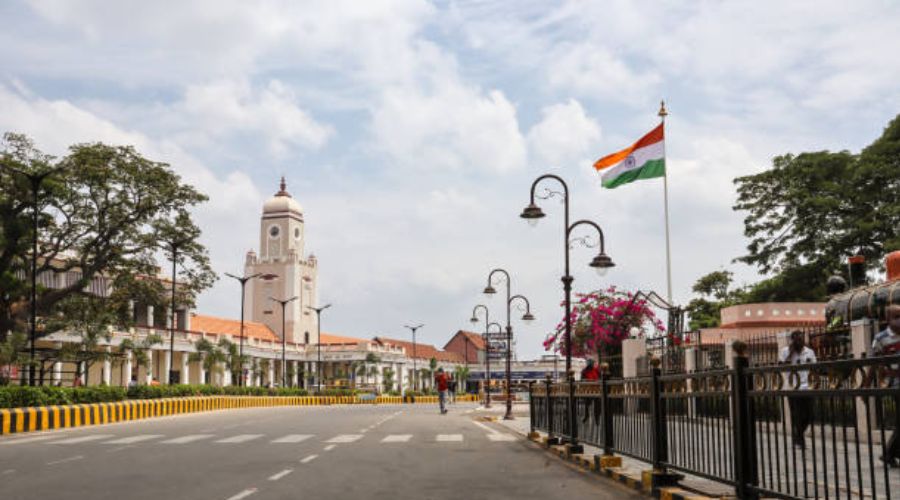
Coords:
pixel 565 133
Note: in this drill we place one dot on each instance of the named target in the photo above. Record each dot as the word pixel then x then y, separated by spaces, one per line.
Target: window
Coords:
pixel 274 231
pixel 306 338
pixel 297 233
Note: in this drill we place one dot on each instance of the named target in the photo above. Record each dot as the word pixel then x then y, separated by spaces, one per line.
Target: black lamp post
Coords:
pixel 35 180
pixel 533 213
pixel 284 304
pixel 243 281
pixel 487 350
pixel 415 371
pixel 318 311
pixel 527 317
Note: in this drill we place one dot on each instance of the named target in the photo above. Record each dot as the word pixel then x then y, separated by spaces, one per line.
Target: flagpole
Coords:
pixel 662 117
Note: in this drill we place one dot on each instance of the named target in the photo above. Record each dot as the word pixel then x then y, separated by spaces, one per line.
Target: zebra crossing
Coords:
pixel 220 440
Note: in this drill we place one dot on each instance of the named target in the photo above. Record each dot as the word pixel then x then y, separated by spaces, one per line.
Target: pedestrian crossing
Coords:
pixel 218 439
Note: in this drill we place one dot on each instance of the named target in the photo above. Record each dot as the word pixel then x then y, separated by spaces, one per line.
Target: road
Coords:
pixel 359 452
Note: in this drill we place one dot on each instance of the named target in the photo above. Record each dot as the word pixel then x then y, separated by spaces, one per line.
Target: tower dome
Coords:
pixel 282 203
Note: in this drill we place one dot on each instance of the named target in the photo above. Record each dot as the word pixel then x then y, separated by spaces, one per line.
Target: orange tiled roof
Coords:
pixel 423 351
pixel 212 324
pixel 328 338
pixel 474 338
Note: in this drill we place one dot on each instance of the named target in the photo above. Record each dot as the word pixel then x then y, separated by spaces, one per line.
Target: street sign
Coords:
pixel 496 336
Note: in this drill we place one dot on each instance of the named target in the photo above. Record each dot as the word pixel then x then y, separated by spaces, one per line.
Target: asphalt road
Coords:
pixel 356 452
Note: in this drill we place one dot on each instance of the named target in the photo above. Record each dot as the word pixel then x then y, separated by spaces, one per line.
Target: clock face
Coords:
pixel 274 231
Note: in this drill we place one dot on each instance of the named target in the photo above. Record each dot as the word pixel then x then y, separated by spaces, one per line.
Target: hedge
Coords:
pixel 23 396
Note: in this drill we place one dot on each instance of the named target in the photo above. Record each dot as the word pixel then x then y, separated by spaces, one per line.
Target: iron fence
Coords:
pixel 777 431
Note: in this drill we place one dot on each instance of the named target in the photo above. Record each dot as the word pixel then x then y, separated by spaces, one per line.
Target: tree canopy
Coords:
pixel 105 212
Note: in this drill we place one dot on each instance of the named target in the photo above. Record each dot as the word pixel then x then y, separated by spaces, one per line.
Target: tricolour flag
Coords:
pixel 645 159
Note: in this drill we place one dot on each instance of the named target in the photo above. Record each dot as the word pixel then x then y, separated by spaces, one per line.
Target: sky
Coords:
pixel 411 131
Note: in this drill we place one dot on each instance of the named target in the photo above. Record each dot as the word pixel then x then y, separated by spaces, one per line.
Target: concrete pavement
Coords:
pixel 379 452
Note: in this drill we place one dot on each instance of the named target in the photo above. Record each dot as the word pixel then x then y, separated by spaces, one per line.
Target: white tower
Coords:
pixel 286 273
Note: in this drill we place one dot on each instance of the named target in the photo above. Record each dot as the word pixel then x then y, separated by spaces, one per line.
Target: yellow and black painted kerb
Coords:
pixel 610 466
pixel 19 420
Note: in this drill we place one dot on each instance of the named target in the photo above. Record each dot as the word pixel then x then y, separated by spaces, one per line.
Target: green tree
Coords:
pixel 715 292
pixel 140 349
pixel 387 379
pixel 11 354
pixel 89 320
pixel 209 355
pixel 103 214
pixel 810 211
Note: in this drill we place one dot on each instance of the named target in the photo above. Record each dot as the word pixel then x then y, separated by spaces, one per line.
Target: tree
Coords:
pixel 11 351
pixel 102 215
pixel 233 359
pixel 139 350
pixel 810 211
pixel 462 375
pixel 715 293
pixel 209 355
pixel 387 379
pixel 89 320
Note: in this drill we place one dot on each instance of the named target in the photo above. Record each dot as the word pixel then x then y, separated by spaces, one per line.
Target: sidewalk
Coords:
pixel 522 425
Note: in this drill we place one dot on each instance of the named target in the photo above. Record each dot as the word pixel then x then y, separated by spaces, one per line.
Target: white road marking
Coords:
pixel 330 447
pixel 8 471
pixel 134 439
pixel 479 424
pixel 344 438
pixel 397 438
pixel 454 438
pixel 240 438
pixel 82 439
pixel 244 494
pixel 308 459
pixel 293 438
pixel 27 440
pixel 190 438
pixel 501 437
pixel 70 459
pixel 281 474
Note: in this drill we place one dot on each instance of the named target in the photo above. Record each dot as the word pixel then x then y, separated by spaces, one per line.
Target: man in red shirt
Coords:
pixel 440 380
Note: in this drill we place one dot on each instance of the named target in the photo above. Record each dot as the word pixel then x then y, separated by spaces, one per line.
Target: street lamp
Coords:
pixel 35 180
pixel 415 371
pixel 318 311
pixel 602 262
pixel 243 281
pixel 527 317
pixel 284 304
pixel 487 350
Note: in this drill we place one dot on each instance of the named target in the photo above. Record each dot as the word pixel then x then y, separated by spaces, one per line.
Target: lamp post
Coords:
pixel 284 304
pixel 35 180
pixel 243 281
pixel 533 213
pixel 415 371
pixel 527 317
pixel 487 350
pixel 318 311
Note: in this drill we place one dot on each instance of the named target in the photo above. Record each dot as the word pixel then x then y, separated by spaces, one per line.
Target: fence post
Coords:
pixel 551 440
pixel 573 447
pixel 744 445
pixel 605 409
pixel 531 434
pixel 660 442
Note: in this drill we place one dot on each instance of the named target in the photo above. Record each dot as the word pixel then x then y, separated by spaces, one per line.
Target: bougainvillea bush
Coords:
pixel 601 320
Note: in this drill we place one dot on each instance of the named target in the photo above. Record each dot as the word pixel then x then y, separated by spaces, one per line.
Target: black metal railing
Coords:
pixel 782 431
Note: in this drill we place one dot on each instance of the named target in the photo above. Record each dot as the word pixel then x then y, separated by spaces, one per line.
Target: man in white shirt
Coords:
pixel 797 353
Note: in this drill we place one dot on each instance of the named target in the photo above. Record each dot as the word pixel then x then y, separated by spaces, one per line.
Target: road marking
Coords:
pixel 281 474
pixel 330 447
pixel 397 438
pixel 308 459
pixel 479 424
pixel 27 440
pixel 244 494
pixel 134 439
pixel 344 438
pixel 501 437
pixel 240 438
pixel 8 471
pixel 82 439
pixel 190 438
pixel 293 438
pixel 455 438
pixel 70 459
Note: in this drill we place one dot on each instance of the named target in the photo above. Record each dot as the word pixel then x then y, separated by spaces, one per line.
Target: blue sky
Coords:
pixel 411 131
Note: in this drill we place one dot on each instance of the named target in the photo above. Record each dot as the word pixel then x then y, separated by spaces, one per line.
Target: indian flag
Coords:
pixel 645 159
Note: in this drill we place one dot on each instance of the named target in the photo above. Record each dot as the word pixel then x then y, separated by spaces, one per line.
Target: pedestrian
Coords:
pixel 452 390
pixel 133 382
pixel 798 353
pixel 440 380
pixel 590 372
pixel 887 343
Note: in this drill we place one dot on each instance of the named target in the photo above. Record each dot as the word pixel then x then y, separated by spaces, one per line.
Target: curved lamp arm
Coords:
pixel 588 223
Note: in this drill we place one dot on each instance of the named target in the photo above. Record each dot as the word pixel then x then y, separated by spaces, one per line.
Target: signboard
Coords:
pixel 496 336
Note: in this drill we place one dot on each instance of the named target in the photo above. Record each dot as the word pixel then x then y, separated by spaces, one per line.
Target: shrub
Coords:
pixel 24 396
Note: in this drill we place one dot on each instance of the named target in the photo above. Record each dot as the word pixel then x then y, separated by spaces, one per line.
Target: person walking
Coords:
pixel 887 343
pixel 440 380
pixel 797 353
pixel 590 372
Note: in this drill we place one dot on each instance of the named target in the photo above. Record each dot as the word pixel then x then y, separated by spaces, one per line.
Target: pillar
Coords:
pixel 150 321
pixel 167 367
pixel 272 380
pixel 186 369
pixel 295 381
pixel 149 374
pixel 226 375
pixel 632 350
pixel 862 331
pixel 127 368
pixel 107 368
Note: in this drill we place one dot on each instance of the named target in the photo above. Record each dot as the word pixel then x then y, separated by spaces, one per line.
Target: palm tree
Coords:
pixel 370 358
pixel 232 359
pixel 209 355
pixel 462 375
pixel 357 368
pixel 387 379
pixel 139 350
